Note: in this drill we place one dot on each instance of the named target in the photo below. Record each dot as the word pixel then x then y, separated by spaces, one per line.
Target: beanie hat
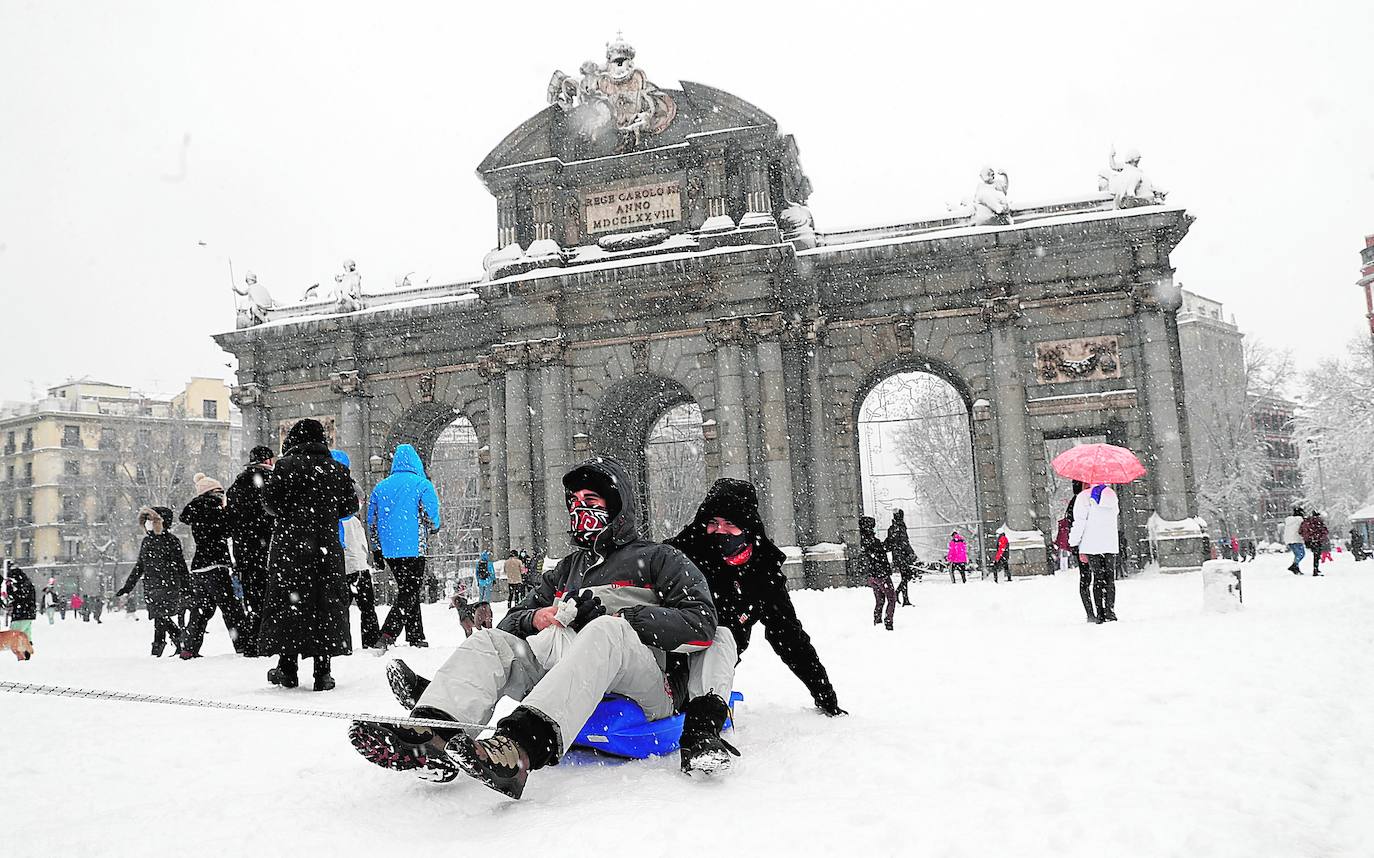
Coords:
pixel 206 484
pixel 260 454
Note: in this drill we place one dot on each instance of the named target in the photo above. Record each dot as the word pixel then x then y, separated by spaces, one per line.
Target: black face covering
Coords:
pixel 730 545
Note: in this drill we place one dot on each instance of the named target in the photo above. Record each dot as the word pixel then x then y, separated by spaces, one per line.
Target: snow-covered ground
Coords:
pixel 992 722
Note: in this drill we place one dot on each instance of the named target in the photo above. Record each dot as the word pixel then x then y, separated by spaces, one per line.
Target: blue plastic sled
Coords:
pixel 618 727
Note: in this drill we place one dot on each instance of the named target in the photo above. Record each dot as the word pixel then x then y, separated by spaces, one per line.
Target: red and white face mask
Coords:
pixel 585 523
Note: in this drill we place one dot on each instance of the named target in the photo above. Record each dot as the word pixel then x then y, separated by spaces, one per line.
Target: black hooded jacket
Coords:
pixel 756 591
pixel 899 543
pixel 305 609
pixel 162 566
pixel 654 586
pixel 22 598
pixel 872 553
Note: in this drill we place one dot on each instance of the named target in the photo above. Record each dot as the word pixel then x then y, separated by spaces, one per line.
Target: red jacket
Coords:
pixel 1001 547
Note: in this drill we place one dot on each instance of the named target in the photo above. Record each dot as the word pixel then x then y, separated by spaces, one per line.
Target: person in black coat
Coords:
pixel 162 567
pixel 903 555
pixel 878 572
pixel 211 566
pixel 305 610
pixel 20 598
pixel 728 543
pixel 250 526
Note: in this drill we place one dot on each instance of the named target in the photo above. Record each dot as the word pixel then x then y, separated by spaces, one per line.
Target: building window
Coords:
pixel 9 443
pixel 28 440
pixel 28 511
pixel 107 468
pixel 25 550
pixel 71 436
pixel 71 468
pixel 209 409
pixel 109 440
pixel 144 438
pixel 71 508
pixel 9 473
pixel 28 473
pixel 209 444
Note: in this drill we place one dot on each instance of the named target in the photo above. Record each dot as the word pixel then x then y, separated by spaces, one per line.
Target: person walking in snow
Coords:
pixel 162 567
pixel 1316 537
pixel 1356 544
pixel 76 604
pixel 97 605
pixel 357 557
pixel 250 527
pixel 48 600
pixel 305 608
pixel 1001 561
pixel 514 572
pixel 20 599
pixel 898 544
pixel 603 620
pixel 957 555
pixel 878 572
pixel 485 577
pixel 212 587
pixel 402 513
pixel 1292 537
pixel 743 569
pixel 1094 537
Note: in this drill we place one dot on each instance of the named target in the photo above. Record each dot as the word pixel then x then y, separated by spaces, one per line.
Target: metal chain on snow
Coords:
pixel 132 697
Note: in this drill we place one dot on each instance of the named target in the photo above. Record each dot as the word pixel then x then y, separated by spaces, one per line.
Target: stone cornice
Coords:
pixel 744 330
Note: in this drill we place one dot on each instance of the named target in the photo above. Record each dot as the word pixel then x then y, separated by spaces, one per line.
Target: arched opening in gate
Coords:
pixel 915 443
pixel 447 443
pixel 653 425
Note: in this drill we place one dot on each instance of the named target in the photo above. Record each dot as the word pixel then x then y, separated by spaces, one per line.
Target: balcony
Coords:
pixel 27 447
pixel 9 449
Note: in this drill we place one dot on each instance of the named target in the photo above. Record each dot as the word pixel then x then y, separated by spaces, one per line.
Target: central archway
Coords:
pixel 916 453
pixel 653 425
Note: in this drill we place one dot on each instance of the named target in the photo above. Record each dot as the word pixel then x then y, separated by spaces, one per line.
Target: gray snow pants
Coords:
pixel 558 673
pixel 712 671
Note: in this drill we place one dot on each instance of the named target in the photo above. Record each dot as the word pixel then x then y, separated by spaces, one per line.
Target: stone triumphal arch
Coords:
pixel 654 248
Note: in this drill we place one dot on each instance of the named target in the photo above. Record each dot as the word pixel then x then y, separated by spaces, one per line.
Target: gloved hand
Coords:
pixel 826 702
pixel 589 607
pixel 378 561
pixel 121 592
pixel 18 643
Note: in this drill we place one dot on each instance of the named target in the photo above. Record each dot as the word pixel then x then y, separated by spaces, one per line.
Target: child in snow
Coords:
pixel 957 555
pixel 353 538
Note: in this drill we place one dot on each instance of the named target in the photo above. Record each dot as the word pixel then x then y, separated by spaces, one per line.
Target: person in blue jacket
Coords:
pixel 402 513
pixel 486 577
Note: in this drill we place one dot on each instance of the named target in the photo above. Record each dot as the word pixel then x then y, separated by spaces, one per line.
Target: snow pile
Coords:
pixel 992 722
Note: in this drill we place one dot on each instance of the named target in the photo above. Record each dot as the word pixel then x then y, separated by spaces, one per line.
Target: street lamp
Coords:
pixel 1316 444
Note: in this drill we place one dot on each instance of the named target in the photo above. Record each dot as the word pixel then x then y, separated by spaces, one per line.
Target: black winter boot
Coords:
pixel 404 749
pixel 286 673
pixel 701 748
pixel 324 680
pixel 406 685
pixel 499 761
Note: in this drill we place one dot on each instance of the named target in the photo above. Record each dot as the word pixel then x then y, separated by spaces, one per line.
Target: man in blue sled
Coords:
pixel 603 620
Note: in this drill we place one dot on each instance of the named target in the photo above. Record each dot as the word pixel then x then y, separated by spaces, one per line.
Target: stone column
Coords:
pixel 826 527
pixel 727 335
pixel 557 444
pixel 1167 465
pixel 1009 398
pixel 351 433
pixel 775 449
pixel 494 373
pixel 519 471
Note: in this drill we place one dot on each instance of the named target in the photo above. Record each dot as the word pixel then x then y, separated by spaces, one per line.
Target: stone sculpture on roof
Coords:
pixel 990 204
pixel 1127 183
pixel 254 310
pixel 617 95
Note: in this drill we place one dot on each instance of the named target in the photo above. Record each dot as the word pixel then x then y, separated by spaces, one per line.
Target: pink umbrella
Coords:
pixel 1098 463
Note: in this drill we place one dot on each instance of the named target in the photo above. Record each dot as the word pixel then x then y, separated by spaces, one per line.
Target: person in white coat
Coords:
pixel 358 571
pixel 1094 537
pixel 1293 539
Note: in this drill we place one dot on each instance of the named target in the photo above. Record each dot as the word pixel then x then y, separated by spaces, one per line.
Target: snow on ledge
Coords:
pixel 1187 528
pixel 823 551
pixel 1023 538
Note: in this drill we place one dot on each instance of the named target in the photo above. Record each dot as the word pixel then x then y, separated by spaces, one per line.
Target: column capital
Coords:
pixel 248 395
pixel 1002 310
pixel 489 368
pixel 553 350
pixel 1158 295
pixel 765 326
pixel 744 330
pixel 346 382
pixel 512 355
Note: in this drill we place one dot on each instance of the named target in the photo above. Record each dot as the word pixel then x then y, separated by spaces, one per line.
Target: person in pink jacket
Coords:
pixel 957 557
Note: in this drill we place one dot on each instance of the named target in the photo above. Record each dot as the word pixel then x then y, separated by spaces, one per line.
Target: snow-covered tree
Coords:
pixel 1336 426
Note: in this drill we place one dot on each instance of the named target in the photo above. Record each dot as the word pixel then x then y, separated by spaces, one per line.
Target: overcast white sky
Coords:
pixel 291 136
